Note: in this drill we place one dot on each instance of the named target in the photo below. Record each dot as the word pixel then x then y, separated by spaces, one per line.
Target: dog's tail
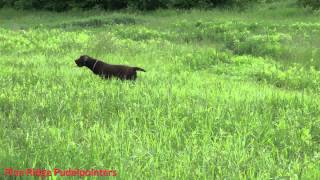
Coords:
pixel 139 69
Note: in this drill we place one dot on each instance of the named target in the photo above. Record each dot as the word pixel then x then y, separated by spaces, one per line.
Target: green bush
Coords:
pixel 261 45
pixel 2 3
pixel 314 4
pixel 147 4
pixel 64 5
pixel 54 5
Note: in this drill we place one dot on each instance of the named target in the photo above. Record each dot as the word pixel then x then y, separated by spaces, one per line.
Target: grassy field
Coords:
pixel 226 94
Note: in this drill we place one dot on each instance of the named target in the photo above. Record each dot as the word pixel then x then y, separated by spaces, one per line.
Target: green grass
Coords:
pixel 226 94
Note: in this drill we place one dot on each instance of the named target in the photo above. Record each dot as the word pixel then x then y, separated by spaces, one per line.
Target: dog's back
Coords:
pixel 121 71
pixel 109 70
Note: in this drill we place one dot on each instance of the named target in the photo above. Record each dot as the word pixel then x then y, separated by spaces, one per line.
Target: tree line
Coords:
pixel 64 5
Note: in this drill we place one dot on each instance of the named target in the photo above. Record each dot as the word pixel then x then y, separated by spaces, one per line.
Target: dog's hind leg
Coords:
pixel 133 76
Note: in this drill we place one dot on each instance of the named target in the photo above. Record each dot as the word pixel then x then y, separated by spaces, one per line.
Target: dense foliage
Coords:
pixel 314 4
pixel 62 5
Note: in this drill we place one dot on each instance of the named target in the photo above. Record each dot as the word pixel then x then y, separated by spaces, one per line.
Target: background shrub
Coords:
pixel 314 4
pixel 63 5
pixel 2 3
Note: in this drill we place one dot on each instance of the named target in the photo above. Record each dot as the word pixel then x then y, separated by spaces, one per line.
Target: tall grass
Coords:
pixel 218 99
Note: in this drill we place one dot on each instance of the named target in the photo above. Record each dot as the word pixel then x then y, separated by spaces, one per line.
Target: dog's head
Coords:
pixel 82 60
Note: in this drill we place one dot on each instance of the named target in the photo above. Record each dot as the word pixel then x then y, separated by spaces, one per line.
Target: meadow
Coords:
pixel 226 95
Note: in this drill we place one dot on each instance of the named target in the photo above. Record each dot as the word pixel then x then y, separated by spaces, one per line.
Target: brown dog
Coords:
pixel 108 70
